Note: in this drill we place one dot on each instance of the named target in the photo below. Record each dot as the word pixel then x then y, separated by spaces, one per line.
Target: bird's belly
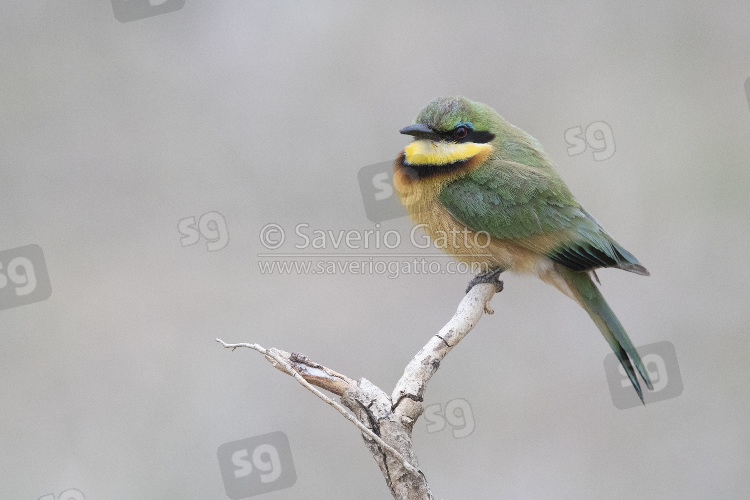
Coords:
pixel 464 244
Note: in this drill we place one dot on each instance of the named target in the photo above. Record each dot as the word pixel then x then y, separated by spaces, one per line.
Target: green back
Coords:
pixel 511 201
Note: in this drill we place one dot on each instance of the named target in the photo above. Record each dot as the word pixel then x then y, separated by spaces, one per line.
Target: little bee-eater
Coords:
pixel 470 170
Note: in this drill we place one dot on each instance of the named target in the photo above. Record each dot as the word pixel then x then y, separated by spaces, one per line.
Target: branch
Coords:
pixel 423 366
pixel 386 422
pixel 283 361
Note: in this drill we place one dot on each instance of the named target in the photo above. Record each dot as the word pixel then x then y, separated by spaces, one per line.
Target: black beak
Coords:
pixel 421 131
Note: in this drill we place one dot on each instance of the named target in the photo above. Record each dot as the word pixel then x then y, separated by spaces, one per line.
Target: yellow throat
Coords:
pixel 427 152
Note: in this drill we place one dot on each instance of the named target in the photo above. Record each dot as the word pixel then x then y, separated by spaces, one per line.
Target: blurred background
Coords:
pixel 118 137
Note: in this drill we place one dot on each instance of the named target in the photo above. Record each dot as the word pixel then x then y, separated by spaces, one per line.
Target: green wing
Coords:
pixel 515 202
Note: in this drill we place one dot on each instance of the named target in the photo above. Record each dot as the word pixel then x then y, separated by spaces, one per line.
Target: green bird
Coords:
pixel 468 170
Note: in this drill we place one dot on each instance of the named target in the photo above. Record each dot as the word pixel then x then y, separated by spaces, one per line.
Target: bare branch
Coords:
pixel 426 362
pixel 320 376
pixel 281 360
pixel 387 422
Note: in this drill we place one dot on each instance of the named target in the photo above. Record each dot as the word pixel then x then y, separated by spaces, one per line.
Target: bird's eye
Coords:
pixel 460 132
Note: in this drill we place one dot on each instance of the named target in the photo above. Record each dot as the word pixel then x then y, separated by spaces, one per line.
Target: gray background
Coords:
pixel 265 111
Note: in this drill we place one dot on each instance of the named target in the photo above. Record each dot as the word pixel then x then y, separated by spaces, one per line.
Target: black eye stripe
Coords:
pixel 478 136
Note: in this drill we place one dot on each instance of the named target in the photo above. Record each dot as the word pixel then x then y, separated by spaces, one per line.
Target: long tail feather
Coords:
pixel 588 295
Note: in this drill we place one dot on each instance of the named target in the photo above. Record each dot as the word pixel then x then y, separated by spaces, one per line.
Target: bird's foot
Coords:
pixel 490 277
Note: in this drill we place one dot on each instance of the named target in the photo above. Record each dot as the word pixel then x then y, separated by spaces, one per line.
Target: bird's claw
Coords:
pixel 490 277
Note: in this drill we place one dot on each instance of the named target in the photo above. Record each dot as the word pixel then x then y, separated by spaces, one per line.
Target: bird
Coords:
pixel 469 170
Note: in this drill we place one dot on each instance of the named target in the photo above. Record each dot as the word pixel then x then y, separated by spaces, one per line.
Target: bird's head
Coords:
pixel 451 131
